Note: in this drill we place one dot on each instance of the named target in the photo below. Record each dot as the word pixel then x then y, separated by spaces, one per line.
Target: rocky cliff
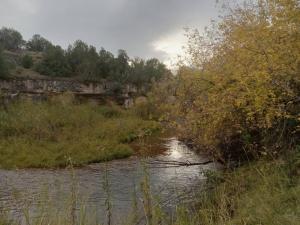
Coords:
pixel 91 90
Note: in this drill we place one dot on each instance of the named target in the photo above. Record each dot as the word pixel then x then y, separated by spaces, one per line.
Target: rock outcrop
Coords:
pixel 100 91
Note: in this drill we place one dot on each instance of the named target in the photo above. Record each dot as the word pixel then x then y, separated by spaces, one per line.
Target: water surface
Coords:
pixel 29 189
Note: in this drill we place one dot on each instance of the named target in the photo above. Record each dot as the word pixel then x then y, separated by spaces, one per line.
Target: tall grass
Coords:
pixel 47 134
pixel 265 193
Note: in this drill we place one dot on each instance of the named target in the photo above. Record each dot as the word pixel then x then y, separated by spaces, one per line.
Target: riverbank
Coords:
pixel 59 132
pixel 262 192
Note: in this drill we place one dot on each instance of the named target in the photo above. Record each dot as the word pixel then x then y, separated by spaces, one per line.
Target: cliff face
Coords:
pixel 37 87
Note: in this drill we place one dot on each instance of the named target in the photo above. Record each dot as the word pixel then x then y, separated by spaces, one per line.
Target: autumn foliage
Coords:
pixel 240 95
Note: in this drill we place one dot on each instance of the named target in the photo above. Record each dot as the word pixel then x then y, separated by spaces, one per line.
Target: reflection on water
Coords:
pixel 31 188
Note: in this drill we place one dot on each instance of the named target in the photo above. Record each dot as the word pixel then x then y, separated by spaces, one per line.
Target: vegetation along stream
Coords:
pixel 24 191
pixel 82 129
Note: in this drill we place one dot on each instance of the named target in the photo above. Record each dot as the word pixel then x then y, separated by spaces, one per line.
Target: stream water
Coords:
pixel 30 190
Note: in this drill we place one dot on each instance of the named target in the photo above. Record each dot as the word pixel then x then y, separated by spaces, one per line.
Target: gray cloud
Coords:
pixel 132 25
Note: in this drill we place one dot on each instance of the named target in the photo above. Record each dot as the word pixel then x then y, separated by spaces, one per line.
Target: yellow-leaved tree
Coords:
pixel 240 95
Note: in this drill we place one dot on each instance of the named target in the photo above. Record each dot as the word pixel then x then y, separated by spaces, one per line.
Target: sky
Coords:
pixel 144 28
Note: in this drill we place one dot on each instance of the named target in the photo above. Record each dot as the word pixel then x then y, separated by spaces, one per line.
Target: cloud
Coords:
pixel 145 28
pixel 27 6
pixel 171 46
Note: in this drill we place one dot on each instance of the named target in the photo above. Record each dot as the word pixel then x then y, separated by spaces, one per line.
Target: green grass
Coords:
pixel 4 221
pixel 49 134
pixel 261 193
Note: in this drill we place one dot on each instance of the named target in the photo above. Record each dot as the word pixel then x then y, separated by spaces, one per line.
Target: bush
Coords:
pixel 3 66
pixel 27 61
pixel 242 100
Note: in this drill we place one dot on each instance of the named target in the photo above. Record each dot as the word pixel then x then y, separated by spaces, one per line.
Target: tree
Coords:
pixel 83 59
pixel 3 66
pixel 27 61
pixel 54 63
pixel 144 73
pixel 105 64
pixel 38 44
pixel 137 72
pixel 76 54
pixel 11 39
pixel 241 99
pixel 155 70
pixel 121 66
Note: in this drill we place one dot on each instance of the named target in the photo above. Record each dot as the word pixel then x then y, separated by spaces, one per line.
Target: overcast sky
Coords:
pixel 144 28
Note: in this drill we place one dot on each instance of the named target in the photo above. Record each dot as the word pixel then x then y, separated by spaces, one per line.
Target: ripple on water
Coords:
pixel 31 187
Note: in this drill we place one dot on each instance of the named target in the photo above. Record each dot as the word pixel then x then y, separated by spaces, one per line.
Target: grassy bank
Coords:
pixel 49 134
pixel 264 192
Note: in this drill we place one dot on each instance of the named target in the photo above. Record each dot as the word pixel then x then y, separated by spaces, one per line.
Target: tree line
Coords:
pixel 80 60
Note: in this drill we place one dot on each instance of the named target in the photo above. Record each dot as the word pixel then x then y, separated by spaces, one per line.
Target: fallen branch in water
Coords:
pixel 178 163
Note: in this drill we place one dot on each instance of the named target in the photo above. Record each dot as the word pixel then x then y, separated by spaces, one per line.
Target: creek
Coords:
pixel 32 191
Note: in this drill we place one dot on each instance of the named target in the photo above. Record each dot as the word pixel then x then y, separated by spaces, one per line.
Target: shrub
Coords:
pixel 241 99
pixel 27 61
pixel 3 66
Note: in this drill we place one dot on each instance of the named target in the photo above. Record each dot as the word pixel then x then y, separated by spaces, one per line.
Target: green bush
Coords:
pixel 3 67
pixel 27 61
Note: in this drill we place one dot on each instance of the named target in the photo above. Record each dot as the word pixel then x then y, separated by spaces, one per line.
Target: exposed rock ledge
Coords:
pixel 43 87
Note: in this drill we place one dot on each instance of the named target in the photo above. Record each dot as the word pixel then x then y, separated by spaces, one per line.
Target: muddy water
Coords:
pixel 28 191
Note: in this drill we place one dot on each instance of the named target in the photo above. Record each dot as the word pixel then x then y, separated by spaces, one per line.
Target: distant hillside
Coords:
pixel 39 58
pixel 14 59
